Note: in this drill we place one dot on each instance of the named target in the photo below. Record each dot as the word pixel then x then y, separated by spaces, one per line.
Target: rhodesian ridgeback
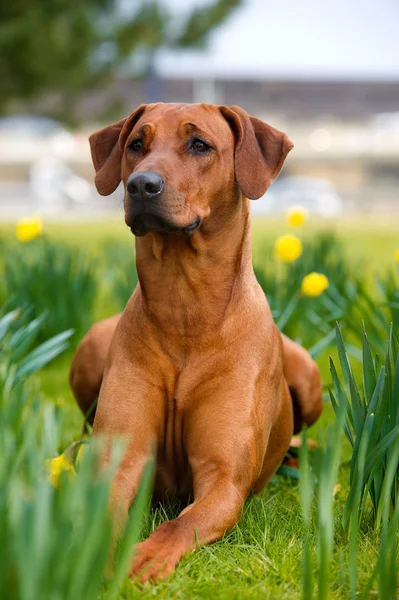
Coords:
pixel 195 362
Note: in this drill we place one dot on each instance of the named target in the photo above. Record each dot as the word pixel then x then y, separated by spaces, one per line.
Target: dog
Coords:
pixel 195 363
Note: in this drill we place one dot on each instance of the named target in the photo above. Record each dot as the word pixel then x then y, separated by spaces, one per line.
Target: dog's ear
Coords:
pixel 106 147
pixel 260 151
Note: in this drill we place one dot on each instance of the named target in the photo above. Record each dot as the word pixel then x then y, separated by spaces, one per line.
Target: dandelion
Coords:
pixel 58 465
pixel 314 284
pixel 29 228
pixel 288 248
pixel 297 216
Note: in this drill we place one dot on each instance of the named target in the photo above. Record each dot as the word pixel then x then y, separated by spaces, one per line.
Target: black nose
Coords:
pixel 144 185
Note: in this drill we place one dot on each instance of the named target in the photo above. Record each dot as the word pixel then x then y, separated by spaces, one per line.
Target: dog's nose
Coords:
pixel 144 185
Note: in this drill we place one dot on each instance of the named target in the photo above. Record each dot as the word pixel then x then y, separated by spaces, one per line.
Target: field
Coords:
pixel 262 557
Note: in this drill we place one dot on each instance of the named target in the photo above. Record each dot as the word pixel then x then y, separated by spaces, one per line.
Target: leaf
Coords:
pixel 374 458
pixel 43 354
pixel 341 394
pixel 385 500
pixel 6 322
pixel 368 367
pixel 24 337
pixel 343 357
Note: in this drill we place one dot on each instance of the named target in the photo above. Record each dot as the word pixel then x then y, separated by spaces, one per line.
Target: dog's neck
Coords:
pixel 187 283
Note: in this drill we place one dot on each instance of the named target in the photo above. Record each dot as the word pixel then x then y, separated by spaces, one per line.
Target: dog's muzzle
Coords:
pixel 146 210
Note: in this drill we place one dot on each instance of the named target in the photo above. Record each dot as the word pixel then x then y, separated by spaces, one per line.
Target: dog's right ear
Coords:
pixel 106 147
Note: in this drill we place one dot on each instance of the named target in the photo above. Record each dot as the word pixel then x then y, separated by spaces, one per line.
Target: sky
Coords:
pixel 318 39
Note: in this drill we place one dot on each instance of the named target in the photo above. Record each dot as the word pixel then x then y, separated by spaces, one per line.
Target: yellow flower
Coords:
pixel 337 489
pixel 297 216
pixel 314 284
pixel 288 247
pixel 397 256
pixel 29 228
pixel 58 465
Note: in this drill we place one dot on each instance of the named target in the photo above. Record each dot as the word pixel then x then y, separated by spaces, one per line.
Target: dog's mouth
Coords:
pixel 144 223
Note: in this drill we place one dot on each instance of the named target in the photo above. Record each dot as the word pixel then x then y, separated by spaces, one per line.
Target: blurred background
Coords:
pixel 325 73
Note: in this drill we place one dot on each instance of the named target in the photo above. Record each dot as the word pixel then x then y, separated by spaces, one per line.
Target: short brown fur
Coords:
pixel 195 362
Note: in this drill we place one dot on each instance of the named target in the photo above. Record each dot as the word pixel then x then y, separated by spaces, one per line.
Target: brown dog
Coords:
pixel 196 363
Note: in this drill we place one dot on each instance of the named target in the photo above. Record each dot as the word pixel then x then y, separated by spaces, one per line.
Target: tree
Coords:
pixel 61 48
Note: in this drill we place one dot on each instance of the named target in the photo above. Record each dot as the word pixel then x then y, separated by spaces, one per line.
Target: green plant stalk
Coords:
pixel 306 491
pixel 355 517
pixel 327 476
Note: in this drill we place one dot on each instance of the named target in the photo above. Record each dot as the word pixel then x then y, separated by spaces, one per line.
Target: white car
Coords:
pixel 318 196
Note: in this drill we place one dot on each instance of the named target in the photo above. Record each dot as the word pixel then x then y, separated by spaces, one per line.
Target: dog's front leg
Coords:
pixel 213 513
pixel 225 455
pixel 130 408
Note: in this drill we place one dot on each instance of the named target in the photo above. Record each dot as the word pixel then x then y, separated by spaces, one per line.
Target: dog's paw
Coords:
pixel 156 558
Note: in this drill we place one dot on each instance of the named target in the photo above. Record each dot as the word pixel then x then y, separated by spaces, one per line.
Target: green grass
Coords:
pixel 261 557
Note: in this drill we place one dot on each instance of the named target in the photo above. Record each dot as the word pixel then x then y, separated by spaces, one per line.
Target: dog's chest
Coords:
pixel 173 474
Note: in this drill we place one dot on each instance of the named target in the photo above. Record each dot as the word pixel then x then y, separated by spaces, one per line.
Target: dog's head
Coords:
pixel 181 164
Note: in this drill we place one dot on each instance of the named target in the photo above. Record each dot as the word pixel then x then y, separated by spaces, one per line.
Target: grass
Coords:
pixel 262 556
pixel 372 426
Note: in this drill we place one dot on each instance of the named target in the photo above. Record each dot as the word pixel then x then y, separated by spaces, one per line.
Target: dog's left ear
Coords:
pixel 106 147
pixel 260 151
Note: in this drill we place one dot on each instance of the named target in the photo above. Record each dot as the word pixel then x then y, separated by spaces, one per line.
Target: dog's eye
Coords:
pixel 136 145
pixel 198 146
